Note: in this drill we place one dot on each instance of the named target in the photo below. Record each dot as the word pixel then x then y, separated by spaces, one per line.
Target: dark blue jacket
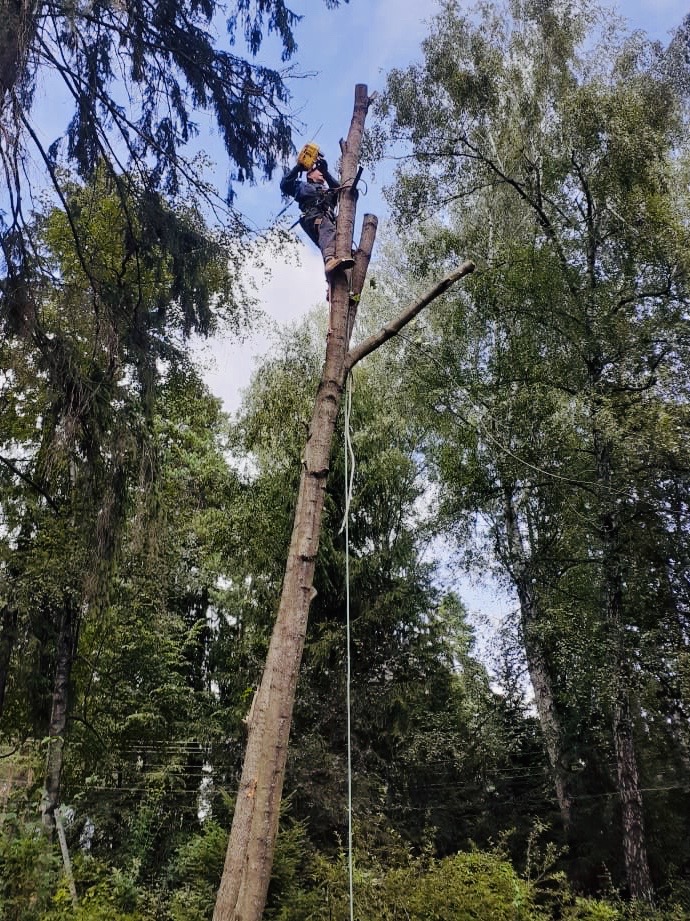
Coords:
pixel 313 199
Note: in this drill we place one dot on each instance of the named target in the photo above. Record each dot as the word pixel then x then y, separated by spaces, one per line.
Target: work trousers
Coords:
pixel 321 230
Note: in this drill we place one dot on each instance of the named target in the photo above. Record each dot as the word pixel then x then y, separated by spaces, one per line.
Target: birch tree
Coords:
pixel 556 149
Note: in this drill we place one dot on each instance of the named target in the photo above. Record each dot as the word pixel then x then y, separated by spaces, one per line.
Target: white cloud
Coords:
pixel 292 289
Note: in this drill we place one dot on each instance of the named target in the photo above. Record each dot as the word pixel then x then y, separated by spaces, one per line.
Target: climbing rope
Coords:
pixel 349 479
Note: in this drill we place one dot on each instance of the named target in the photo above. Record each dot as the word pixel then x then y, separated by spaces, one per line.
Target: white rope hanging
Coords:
pixel 349 479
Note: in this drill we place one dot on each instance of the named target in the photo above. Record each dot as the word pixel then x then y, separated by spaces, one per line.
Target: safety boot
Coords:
pixel 333 263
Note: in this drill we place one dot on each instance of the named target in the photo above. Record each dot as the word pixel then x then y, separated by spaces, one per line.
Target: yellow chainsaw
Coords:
pixel 308 156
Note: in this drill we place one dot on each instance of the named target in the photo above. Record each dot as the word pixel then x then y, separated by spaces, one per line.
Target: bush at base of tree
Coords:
pixel 105 893
pixel 389 883
pixel 463 887
pixel 28 870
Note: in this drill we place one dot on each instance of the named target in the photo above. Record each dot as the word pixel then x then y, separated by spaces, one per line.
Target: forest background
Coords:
pixel 533 426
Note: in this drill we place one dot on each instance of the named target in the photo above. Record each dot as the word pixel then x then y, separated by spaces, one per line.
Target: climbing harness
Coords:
pixel 317 212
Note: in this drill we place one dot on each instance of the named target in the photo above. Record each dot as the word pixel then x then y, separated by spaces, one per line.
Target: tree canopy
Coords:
pixel 559 381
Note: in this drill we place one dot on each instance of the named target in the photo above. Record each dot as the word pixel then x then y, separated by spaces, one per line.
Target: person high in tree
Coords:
pixel 317 199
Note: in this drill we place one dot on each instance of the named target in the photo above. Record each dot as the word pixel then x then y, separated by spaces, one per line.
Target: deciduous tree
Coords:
pixel 561 162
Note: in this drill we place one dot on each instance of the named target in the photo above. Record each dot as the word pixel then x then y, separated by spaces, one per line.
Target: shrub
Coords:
pixel 28 870
pixel 105 894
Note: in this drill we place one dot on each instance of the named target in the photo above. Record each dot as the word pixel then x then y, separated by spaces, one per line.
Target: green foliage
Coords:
pixel 616 909
pixel 152 722
pixel 135 502
pixel 196 873
pixel 431 740
pixel 197 867
pixel 592 910
pixel 173 67
pixel 29 870
pixel 104 894
pixel 463 887
pixel 466 885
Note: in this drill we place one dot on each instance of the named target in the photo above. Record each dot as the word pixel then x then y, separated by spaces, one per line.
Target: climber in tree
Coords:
pixel 317 199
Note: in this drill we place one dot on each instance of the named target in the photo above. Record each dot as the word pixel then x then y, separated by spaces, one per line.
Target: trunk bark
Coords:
pixel 66 646
pixel 547 710
pixel 538 662
pixel 634 839
pixel 246 875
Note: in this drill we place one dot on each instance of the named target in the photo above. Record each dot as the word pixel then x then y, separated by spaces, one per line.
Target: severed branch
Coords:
pixel 409 313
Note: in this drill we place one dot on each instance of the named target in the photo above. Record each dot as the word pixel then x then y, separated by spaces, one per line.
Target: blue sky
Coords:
pixel 358 42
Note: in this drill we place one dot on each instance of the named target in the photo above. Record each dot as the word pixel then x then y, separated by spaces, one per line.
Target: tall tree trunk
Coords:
pixel 547 709
pixel 8 637
pixel 249 859
pixel 538 665
pixel 66 647
pixel 248 863
pixel 622 725
pixel 634 840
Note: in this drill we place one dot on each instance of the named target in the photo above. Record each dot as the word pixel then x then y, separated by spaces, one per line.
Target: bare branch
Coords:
pixel 409 313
